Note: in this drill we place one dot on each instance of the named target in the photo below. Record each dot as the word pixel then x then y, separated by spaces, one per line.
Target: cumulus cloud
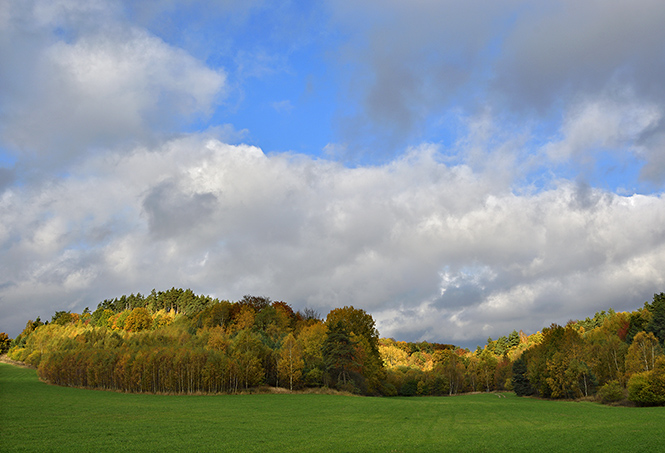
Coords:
pixel 74 88
pixel 453 242
pixel 432 251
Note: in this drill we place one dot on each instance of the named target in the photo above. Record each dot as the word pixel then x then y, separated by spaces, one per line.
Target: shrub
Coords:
pixel 314 378
pixel 34 358
pixel 18 354
pixel 611 392
pixel 409 388
pixel 639 390
pixel 389 389
pixel 648 388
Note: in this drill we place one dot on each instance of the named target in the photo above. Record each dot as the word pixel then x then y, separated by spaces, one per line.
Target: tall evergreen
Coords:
pixel 657 323
pixel 521 384
pixel 339 353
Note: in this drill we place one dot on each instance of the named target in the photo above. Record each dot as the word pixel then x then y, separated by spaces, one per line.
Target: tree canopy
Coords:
pixel 175 341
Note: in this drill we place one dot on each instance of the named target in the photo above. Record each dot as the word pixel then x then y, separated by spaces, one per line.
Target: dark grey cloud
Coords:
pixel 172 213
pixel 558 49
pixel 7 177
pixel 414 67
pixel 413 60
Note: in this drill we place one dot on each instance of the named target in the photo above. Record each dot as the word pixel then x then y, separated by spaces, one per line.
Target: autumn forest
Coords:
pixel 177 342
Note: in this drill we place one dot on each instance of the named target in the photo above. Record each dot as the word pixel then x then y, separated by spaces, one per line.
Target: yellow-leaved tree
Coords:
pixel 290 363
pixel 642 353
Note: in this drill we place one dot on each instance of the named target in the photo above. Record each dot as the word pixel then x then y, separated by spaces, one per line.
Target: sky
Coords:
pixel 456 169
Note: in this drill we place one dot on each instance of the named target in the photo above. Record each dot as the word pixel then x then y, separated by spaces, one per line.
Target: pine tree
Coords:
pixel 339 353
pixel 521 384
pixel 657 324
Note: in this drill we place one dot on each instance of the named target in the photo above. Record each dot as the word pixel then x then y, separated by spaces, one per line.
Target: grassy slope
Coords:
pixel 38 417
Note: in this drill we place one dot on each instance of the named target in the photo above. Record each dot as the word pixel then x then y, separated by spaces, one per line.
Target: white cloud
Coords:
pixel 431 250
pixel 604 124
pixel 94 87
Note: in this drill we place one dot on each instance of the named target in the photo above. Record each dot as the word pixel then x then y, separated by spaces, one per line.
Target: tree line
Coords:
pixel 177 342
pixel 611 357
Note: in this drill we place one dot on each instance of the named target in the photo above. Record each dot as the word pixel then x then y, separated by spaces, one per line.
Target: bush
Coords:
pixel 639 390
pixel 611 392
pixel 34 358
pixel 409 388
pixel 18 354
pixel 314 378
pixel 388 389
pixel 648 388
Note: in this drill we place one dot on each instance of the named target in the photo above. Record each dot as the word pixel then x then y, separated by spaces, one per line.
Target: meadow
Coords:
pixel 38 417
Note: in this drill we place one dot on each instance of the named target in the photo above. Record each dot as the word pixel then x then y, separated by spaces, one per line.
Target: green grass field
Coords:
pixel 38 417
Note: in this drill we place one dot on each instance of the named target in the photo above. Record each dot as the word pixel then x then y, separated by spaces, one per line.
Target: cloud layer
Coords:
pixel 431 250
pixel 491 166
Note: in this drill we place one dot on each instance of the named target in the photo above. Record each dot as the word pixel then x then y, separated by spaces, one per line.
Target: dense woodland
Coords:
pixel 177 342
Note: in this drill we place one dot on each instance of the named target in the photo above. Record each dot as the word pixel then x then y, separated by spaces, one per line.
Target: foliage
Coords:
pixel 611 392
pixel 365 362
pixel 647 388
pixel 139 319
pixel 657 323
pixel 642 353
pixel 178 342
pixel 5 342
pixel 520 381
pixel 290 362
pixel 339 354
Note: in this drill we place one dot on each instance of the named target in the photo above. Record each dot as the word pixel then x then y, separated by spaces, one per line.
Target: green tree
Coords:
pixel 62 317
pixel 520 380
pixel 339 354
pixel 360 324
pixel 638 322
pixel 101 316
pixel 216 315
pixel 648 387
pixel 608 350
pixel 657 323
pixel 449 365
